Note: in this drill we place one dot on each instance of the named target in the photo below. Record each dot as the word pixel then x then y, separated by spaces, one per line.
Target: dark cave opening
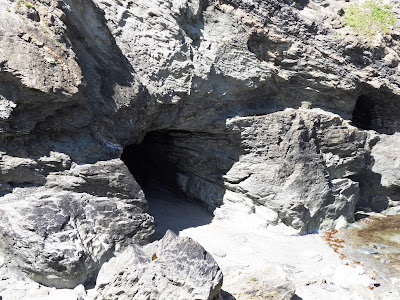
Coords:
pixel 363 112
pixel 181 174
pixel 154 168
pixel 377 110
pixel 149 164
pixel 190 164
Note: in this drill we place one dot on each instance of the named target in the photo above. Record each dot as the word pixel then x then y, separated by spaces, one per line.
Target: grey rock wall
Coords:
pixel 299 163
pixel 255 102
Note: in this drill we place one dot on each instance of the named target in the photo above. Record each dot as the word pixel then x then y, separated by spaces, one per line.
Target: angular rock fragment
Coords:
pixel 172 268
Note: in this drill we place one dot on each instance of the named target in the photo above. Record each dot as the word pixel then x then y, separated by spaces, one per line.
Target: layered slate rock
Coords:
pixel 79 81
pixel 171 268
pixel 299 163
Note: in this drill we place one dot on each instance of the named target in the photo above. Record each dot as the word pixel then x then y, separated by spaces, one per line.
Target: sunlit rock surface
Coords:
pixel 277 105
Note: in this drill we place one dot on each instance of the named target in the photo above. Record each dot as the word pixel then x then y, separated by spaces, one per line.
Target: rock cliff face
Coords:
pixel 276 104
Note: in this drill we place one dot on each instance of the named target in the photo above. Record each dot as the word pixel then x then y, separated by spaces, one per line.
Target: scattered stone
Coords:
pixel 380 246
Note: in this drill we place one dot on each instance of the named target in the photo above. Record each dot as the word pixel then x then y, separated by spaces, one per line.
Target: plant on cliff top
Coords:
pixel 369 18
pixel 29 5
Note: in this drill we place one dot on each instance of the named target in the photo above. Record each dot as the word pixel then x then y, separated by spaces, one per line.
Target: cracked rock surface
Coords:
pixel 171 268
pixel 277 105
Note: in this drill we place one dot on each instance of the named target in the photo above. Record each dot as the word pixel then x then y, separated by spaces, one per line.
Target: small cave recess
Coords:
pixel 149 161
pixel 190 164
pixel 377 111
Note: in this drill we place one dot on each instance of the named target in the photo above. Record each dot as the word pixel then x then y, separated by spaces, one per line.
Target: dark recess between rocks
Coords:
pixel 362 113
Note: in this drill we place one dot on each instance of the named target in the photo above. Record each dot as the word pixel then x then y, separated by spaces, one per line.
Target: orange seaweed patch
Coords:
pixel 333 242
pixel 336 244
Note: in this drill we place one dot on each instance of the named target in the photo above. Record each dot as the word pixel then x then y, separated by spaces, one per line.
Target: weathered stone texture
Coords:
pixel 256 100
pixel 171 268
pixel 61 237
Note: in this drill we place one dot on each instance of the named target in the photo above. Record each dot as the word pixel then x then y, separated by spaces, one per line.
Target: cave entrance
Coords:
pixel 186 162
pixel 150 162
pixel 377 110
pixel 175 166
pixel 363 112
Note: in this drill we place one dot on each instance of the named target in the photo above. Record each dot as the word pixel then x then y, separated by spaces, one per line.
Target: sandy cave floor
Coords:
pixel 263 262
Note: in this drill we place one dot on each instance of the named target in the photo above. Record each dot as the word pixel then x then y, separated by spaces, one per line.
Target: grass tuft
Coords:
pixel 27 4
pixel 369 18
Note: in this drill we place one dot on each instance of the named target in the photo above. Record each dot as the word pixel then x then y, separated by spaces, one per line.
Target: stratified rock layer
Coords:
pixel 255 101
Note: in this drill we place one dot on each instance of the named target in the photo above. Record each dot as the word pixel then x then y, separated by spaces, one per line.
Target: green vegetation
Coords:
pixel 27 4
pixel 369 18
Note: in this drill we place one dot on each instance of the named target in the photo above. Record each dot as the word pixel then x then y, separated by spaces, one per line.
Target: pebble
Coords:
pixel 219 253
pixel 369 250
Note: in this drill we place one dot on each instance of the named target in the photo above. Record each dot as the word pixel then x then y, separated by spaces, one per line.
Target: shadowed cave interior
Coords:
pixel 362 113
pixel 173 167
pixel 149 164
pixel 186 162
pixel 377 111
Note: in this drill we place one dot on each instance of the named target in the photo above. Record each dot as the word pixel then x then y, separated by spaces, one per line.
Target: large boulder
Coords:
pixel 60 236
pixel 171 268
pixel 299 163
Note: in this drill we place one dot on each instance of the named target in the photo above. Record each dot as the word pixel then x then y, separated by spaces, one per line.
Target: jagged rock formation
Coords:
pixel 264 102
pixel 171 268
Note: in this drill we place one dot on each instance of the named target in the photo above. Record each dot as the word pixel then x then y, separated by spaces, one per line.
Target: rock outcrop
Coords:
pixel 171 268
pixel 304 156
pixel 277 104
